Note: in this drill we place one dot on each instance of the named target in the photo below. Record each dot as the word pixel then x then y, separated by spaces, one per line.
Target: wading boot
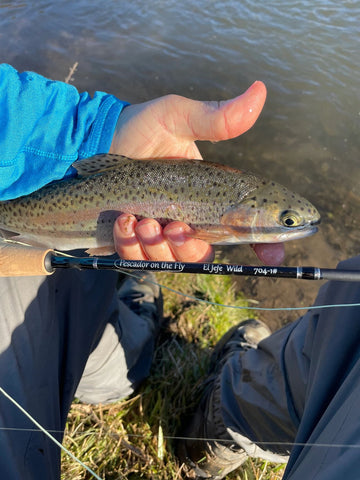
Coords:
pixel 209 451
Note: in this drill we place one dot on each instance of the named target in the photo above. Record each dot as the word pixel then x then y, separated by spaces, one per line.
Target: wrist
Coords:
pixel 117 142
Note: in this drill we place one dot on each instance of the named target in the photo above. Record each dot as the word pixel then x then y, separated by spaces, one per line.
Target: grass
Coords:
pixel 133 439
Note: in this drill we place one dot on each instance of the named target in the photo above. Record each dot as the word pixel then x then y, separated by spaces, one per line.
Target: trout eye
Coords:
pixel 289 218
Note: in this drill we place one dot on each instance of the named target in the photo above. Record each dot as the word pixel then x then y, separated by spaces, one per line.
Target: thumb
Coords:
pixel 216 121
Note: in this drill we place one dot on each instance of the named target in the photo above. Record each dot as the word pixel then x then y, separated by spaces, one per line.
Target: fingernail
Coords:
pixel 126 225
pixel 148 229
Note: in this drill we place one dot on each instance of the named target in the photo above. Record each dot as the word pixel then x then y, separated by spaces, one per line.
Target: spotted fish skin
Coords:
pixel 222 204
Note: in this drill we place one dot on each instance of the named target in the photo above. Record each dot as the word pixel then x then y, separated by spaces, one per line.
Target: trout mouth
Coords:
pixel 278 234
pixel 299 232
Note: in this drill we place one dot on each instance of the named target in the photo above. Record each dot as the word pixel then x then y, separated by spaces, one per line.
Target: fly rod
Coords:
pixel 19 260
pixel 305 273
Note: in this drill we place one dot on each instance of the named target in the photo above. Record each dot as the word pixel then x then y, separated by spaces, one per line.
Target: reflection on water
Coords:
pixel 307 136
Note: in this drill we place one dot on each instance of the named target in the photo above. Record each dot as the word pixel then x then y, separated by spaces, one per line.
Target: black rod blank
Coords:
pixel 103 263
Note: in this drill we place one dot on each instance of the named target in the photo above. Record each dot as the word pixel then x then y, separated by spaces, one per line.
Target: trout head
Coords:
pixel 269 214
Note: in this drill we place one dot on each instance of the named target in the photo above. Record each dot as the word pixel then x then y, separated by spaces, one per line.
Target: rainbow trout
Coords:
pixel 222 205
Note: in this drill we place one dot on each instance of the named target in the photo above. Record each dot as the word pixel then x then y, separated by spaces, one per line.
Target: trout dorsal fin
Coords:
pixel 98 163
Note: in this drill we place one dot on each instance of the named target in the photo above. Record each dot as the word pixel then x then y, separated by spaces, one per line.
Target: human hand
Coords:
pixel 168 127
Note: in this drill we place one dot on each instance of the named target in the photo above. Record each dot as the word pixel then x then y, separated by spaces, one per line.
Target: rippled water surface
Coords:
pixel 307 54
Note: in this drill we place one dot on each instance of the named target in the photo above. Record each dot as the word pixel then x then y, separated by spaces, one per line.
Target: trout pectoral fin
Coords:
pixel 211 235
pixel 101 251
pixel 7 234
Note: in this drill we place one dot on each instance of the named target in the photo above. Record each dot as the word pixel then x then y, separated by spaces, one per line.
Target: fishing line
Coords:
pixel 127 266
pixel 239 307
pixel 165 437
pixel 263 442
pixel 199 439
pixel 19 429
pixel 272 443
pixel 35 422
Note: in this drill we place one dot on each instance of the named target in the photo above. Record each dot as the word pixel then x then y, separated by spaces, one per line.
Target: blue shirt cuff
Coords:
pixel 102 131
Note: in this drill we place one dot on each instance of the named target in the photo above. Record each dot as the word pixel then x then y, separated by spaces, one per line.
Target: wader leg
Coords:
pixel 48 328
pixel 301 385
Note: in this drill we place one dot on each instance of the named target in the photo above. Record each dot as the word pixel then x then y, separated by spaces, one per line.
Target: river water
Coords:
pixel 307 53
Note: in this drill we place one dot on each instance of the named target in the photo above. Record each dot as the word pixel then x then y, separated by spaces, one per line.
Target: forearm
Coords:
pixel 45 126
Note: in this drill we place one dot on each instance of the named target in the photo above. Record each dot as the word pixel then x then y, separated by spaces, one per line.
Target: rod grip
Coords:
pixel 19 260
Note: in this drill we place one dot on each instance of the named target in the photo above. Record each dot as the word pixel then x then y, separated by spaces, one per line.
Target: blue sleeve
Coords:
pixel 45 126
